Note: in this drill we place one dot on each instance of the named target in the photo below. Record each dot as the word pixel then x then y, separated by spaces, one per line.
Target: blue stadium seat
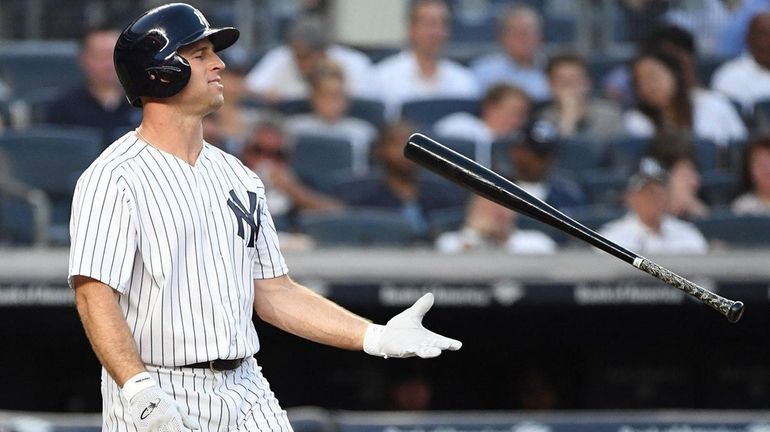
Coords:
pixel 32 67
pixel 718 188
pixel 293 106
pixel 361 227
pixel 39 101
pixel 463 146
pixel 761 115
pixel 426 112
pixel 316 158
pixel 559 29
pixel 16 222
pixel 736 231
pixel 604 186
pixel 51 159
pixel 705 154
pixel 444 220
pixel 627 151
pixel 577 156
pixel 369 110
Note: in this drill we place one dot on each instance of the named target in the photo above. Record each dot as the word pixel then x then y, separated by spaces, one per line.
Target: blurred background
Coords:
pixel 646 120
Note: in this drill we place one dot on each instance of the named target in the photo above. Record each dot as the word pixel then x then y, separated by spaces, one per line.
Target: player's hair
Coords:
pixel 325 69
pixel 310 31
pixel 565 58
pixel 96 29
pixel 514 10
pixel 496 93
pixel 753 145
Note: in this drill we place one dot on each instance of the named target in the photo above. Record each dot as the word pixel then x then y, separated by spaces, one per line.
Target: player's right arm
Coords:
pixel 106 328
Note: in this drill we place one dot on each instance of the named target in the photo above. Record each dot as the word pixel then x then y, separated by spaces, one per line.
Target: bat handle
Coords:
pixel 729 308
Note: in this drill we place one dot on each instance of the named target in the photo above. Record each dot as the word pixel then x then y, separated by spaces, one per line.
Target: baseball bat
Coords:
pixel 491 185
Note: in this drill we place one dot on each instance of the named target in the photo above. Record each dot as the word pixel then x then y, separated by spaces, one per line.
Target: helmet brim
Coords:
pixel 222 38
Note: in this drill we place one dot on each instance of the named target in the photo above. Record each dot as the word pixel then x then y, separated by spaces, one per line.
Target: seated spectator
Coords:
pixel 420 72
pixel 647 227
pixel 490 226
pixel 330 103
pixel 746 79
pixel 532 155
pixel 100 102
pixel 504 110
pixel 265 153
pixel 282 73
pixel 573 110
pixel 754 198
pixel 519 61
pixel 410 392
pixel 732 40
pixel 401 187
pixel 676 155
pixel 665 103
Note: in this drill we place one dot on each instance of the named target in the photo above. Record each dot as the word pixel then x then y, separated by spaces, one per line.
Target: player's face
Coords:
pixel 204 91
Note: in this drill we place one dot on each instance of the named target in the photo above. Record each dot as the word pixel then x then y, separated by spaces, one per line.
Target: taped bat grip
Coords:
pixel 733 310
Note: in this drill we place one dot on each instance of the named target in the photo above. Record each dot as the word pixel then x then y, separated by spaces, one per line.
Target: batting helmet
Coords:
pixel 146 57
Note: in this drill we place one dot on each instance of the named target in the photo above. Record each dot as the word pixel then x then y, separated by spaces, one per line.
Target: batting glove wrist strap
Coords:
pixel 404 335
pixel 372 339
pixel 136 384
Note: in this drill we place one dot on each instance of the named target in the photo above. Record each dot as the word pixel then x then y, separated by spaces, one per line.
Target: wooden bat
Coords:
pixel 491 185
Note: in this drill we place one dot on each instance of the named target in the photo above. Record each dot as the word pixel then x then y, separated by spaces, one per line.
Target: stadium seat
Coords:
pixel 577 156
pixel 463 146
pixel 604 186
pixel 361 227
pixel 446 220
pixel 369 110
pixel 426 112
pixel 16 222
pixel 27 67
pixel 705 154
pixel 559 29
pixel 38 102
pixel 718 188
pixel 627 151
pixel 761 115
pixel 293 106
pixel 315 158
pixel 736 231
pixel 51 159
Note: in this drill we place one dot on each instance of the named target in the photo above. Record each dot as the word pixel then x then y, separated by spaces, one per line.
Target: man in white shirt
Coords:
pixel 420 72
pixel 281 74
pixel 647 228
pixel 519 62
pixel 746 79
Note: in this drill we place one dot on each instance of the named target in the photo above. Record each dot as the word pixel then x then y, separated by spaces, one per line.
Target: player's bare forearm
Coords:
pixel 106 328
pixel 300 311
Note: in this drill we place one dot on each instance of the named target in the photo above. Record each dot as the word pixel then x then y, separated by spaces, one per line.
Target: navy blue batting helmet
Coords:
pixel 146 57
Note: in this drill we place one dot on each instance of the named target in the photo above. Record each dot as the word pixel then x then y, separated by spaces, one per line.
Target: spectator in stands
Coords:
pixel 573 110
pixel 100 102
pixel 732 40
pixel 237 120
pixel 754 198
pixel 647 227
pixel 400 187
pixel 676 155
pixel 412 392
pixel 330 103
pixel 520 61
pixel 282 73
pixel 420 72
pixel 665 103
pixel 504 111
pixel 490 226
pixel 532 156
pixel 746 79
pixel 265 152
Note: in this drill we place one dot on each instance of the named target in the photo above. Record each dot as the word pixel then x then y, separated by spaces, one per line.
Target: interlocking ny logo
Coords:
pixel 250 215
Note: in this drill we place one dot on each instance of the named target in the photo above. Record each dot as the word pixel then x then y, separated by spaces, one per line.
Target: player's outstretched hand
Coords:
pixel 404 335
pixel 152 409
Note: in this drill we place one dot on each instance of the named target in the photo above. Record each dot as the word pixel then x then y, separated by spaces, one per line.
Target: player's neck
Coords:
pixel 181 136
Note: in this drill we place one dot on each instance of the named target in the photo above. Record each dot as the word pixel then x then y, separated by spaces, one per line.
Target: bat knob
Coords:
pixel 735 312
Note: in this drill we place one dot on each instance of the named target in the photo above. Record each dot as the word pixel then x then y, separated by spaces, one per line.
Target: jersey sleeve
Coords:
pixel 102 231
pixel 268 259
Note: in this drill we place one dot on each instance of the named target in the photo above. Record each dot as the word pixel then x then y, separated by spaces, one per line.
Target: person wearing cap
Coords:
pixel 174 249
pixel 282 73
pixel 647 227
pixel 532 155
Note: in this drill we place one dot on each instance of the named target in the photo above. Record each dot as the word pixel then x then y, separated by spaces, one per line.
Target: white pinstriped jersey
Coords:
pixel 180 243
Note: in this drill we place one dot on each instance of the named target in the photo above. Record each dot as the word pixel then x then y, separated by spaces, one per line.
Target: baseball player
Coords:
pixel 173 248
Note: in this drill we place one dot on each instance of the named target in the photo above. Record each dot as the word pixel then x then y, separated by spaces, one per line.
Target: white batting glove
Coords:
pixel 404 335
pixel 152 409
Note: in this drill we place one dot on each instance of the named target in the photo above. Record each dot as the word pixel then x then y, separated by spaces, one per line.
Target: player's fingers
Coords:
pixel 450 344
pixel 422 305
pixel 428 352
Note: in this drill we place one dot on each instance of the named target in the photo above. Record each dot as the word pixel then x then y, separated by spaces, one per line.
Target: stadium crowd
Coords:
pixel 648 152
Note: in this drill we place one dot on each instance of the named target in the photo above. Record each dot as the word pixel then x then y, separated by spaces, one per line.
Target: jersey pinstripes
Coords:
pixel 161 233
